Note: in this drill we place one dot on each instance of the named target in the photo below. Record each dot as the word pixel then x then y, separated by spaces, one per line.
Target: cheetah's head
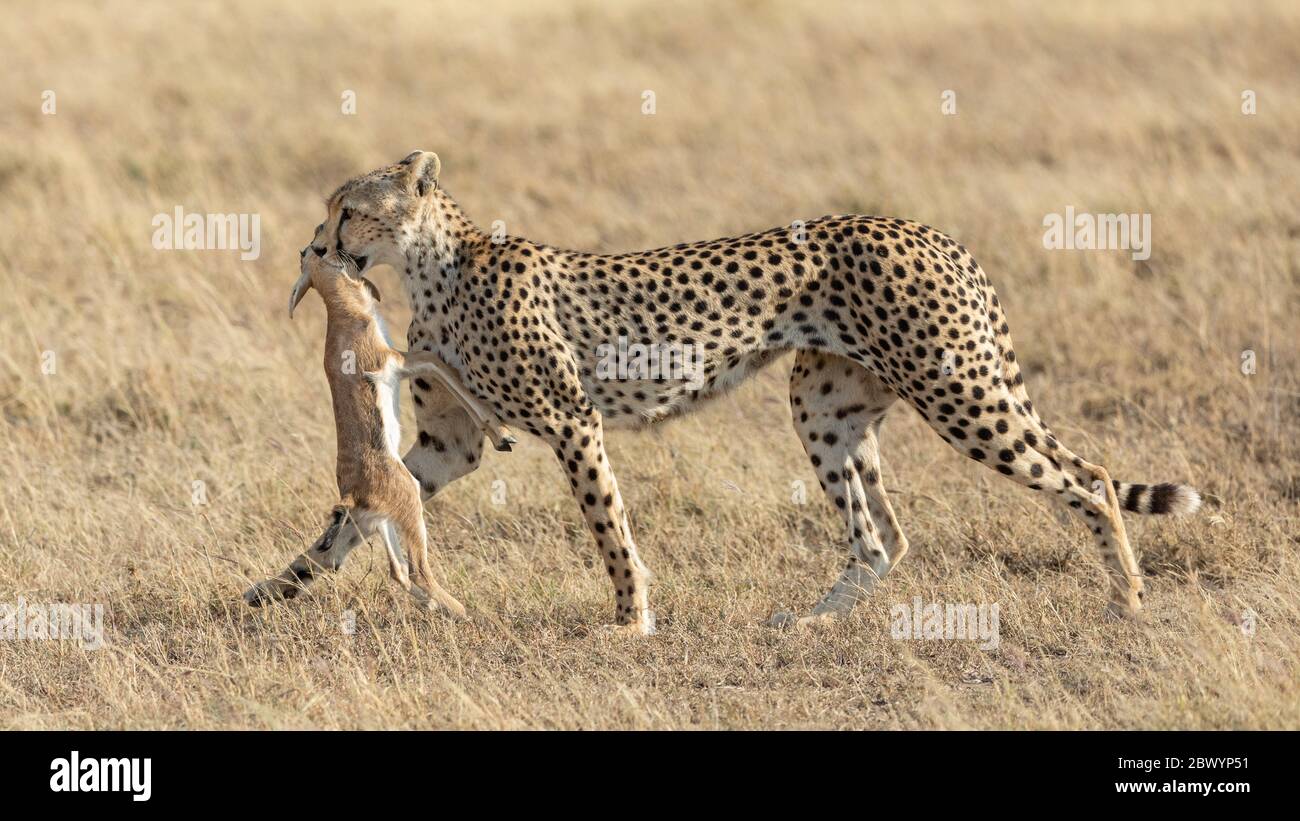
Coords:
pixel 373 219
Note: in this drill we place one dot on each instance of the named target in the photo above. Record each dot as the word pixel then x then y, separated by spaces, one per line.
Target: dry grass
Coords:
pixel 175 367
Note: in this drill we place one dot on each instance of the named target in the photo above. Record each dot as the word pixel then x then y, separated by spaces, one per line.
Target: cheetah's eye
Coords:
pixel 344 216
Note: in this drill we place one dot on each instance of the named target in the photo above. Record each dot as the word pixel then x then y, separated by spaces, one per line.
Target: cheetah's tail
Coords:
pixel 1165 498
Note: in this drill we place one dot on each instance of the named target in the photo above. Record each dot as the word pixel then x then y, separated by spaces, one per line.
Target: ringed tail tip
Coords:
pixel 1166 498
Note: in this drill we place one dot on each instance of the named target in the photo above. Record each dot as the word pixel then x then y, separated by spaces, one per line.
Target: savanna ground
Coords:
pixel 176 367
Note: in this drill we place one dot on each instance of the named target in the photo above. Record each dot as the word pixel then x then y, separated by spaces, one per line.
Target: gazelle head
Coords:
pixel 331 275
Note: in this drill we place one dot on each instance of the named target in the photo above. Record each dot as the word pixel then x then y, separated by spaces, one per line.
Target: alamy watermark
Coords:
pixel 654 361
pixel 180 231
pixel 946 622
pixel 127 775
pixel 53 622
pixel 1098 232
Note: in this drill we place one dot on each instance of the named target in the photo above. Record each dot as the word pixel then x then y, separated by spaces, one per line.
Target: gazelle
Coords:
pixel 377 494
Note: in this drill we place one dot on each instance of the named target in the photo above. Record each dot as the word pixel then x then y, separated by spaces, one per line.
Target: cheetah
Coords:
pixel 875 309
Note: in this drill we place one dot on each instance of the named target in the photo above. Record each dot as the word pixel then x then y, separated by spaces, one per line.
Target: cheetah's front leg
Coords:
pixel 581 448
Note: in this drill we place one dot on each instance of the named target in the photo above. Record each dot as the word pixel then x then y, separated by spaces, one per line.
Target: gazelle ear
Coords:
pixel 422 170
pixel 372 288
pixel 300 289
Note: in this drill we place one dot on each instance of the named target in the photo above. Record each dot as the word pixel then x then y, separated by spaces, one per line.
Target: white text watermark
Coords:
pixel 946 622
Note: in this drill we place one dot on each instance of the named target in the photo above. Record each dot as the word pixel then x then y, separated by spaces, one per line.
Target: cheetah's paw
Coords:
pixel 789 621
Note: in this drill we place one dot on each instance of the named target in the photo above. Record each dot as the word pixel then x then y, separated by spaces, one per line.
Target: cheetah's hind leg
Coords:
pixel 837 407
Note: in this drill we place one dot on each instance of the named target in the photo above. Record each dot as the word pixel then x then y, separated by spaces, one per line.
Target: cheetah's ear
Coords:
pixel 422 169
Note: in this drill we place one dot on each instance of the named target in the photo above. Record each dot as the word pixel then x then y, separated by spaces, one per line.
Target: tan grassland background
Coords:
pixel 178 367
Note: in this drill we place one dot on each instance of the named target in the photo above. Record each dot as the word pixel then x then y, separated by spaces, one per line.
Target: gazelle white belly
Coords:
pixel 388 398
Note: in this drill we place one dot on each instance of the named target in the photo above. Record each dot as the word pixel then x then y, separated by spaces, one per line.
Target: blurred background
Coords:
pixel 166 435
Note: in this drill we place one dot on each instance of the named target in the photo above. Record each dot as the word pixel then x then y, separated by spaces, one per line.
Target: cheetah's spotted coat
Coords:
pixel 877 309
